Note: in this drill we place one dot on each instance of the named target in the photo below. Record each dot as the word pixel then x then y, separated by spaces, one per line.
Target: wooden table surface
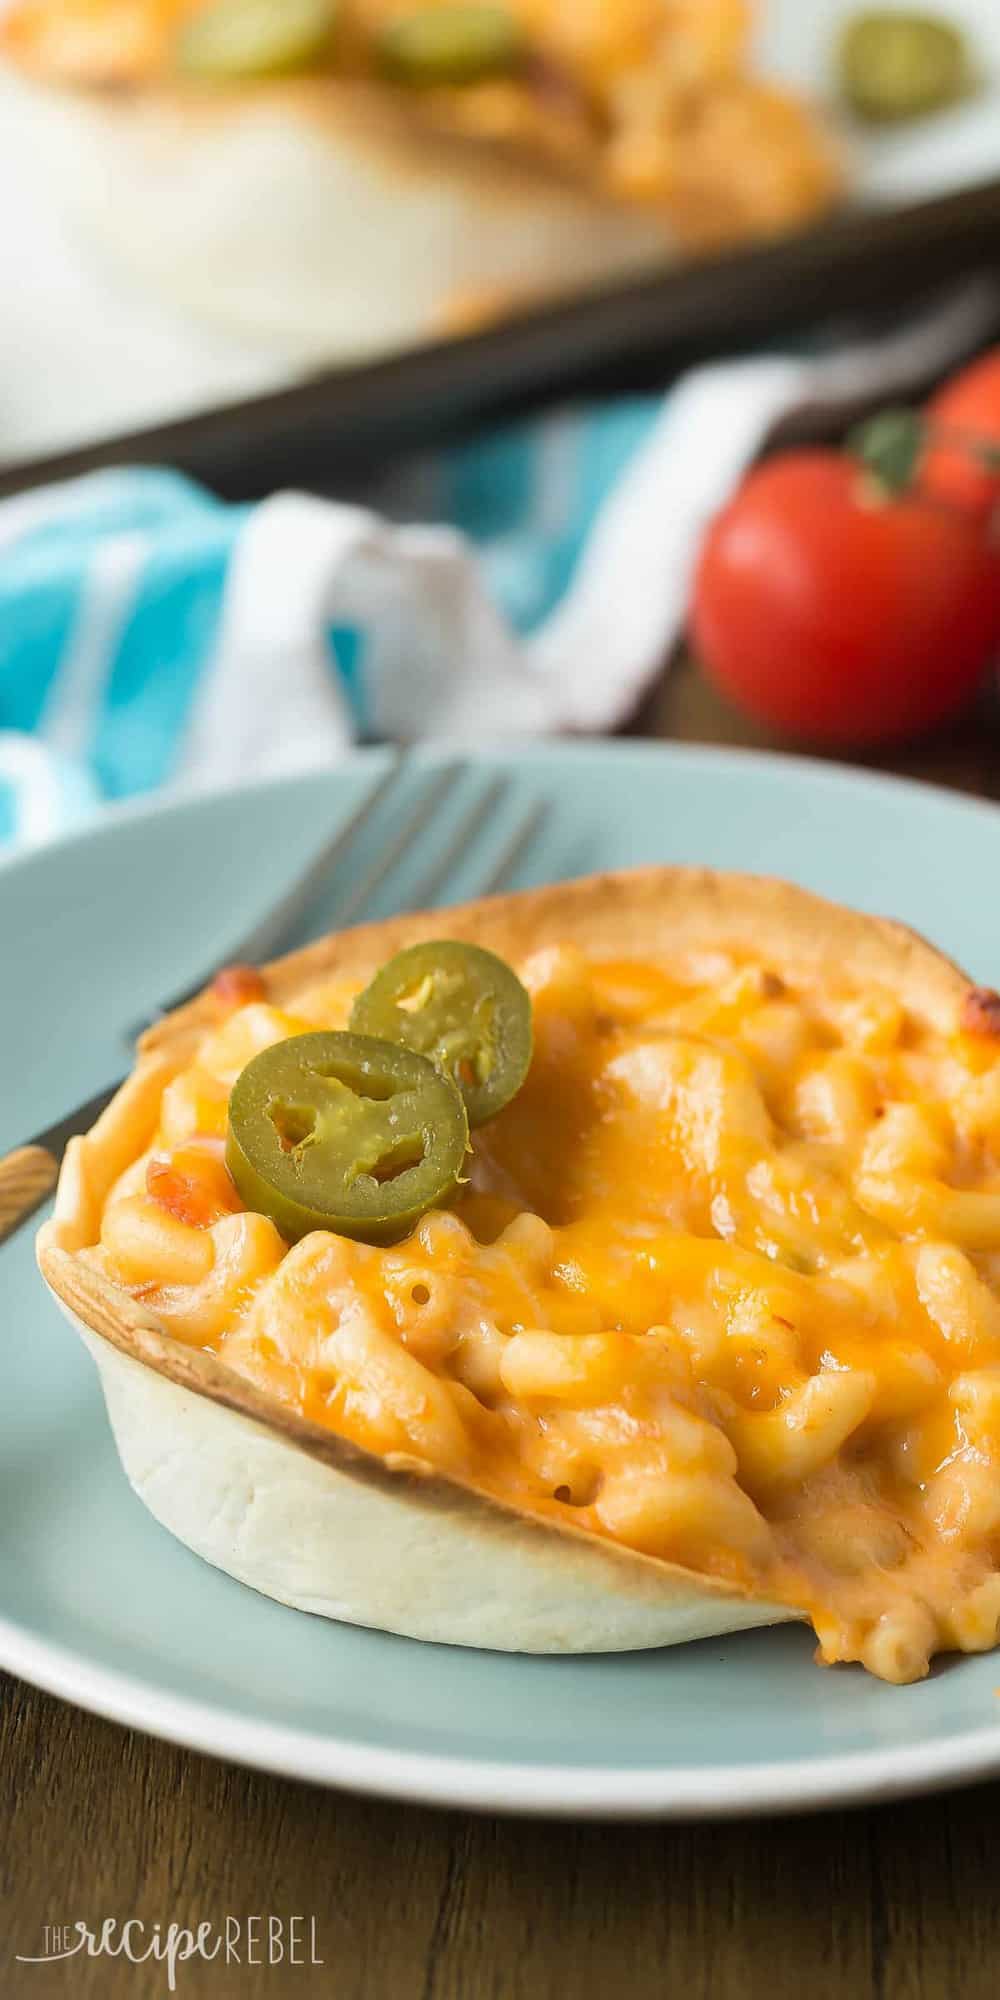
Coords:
pixel 900 1903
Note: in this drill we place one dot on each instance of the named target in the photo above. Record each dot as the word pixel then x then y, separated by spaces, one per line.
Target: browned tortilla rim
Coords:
pixel 641 913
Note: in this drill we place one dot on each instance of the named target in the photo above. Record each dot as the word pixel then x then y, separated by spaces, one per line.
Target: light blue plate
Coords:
pixel 97 1602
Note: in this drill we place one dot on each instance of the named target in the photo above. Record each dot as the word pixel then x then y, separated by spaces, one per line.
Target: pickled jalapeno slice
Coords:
pixel 236 40
pixel 431 46
pixel 344 1132
pixel 901 65
pixel 463 1008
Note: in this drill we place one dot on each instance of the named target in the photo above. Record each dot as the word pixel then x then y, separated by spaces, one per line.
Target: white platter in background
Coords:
pixel 86 354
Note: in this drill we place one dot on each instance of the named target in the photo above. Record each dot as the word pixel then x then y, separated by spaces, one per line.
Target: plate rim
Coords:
pixel 459 1780
pixel 179 796
pixel 476 1784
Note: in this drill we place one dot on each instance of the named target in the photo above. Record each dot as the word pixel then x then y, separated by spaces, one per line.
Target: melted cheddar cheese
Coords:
pixel 654 100
pixel 724 1286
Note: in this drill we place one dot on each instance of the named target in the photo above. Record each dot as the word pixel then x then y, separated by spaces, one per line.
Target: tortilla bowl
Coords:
pixel 315 1521
pixel 322 218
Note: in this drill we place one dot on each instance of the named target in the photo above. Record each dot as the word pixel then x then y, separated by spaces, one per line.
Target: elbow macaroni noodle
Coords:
pixel 722 1287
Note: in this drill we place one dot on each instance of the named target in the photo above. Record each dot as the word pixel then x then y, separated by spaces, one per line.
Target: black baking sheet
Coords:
pixel 335 427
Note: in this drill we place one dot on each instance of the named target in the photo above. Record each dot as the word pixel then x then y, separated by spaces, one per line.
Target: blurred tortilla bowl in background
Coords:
pixel 339 213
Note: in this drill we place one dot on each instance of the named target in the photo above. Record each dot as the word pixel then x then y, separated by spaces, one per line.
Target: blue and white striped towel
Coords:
pixel 151 635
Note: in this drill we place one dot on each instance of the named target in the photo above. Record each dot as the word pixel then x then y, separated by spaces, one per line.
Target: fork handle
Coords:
pixel 27 1176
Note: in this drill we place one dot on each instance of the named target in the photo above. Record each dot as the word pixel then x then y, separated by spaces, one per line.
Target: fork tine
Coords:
pixel 410 830
pixel 47 1149
pixel 280 922
pixel 517 846
pixel 425 895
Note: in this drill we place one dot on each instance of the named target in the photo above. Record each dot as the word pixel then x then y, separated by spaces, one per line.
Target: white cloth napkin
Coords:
pixel 151 635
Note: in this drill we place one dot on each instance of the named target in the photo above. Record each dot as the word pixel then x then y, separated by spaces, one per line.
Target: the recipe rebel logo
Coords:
pixel 255 1940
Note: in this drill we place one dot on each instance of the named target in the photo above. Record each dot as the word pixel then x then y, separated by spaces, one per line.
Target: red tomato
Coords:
pixel 826 610
pixel 969 404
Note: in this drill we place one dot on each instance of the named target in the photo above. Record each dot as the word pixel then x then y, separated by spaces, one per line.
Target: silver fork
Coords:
pixel 29 1173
